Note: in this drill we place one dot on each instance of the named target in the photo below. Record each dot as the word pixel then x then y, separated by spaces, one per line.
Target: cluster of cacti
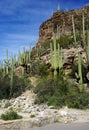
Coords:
pixel 83 29
pixel 24 57
pixel 8 67
pixel 55 56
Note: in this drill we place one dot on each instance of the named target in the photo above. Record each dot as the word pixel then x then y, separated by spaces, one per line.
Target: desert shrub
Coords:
pixel 19 86
pixel 65 41
pixel 39 68
pixel 10 115
pixel 46 89
pixel 4 87
pixel 60 93
pixel 78 100
pixel 32 116
pixel 75 70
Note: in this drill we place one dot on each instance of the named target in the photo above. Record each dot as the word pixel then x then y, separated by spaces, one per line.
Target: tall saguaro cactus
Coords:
pixel 51 54
pixel 87 48
pixel 55 55
pixel 60 60
pixel 7 62
pixel 79 75
pixel 80 68
pixel 11 76
pixel 74 33
pixel 83 23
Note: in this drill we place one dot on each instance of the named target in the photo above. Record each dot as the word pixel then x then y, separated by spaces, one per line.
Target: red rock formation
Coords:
pixel 63 20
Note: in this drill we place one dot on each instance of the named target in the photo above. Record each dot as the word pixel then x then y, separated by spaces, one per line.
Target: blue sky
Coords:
pixel 20 21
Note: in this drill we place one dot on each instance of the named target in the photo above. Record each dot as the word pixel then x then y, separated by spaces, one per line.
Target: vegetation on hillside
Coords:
pixel 59 92
pixel 54 87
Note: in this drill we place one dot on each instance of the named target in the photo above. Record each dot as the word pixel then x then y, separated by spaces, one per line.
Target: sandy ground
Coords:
pixel 58 126
pixel 82 122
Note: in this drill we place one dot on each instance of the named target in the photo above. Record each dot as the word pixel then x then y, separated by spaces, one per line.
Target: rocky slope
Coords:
pixel 43 114
pixel 64 21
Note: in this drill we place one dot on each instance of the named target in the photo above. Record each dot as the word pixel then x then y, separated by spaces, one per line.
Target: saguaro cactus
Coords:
pixel 60 60
pixel 58 8
pixel 80 68
pixel 55 55
pixel 51 55
pixel 7 62
pixel 87 48
pixel 79 75
pixel 74 33
pixel 83 23
pixel 19 58
pixel 11 76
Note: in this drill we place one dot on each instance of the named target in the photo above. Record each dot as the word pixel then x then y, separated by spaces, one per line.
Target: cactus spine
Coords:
pixel 73 29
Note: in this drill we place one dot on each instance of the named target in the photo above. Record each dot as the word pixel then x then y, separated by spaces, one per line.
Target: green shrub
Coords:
pixel 32 116
pixel 65 41
pixel 10 115
pixel 19 86
pixel 39 68
pixel 59 92
pixel 75 69
pixel 78 100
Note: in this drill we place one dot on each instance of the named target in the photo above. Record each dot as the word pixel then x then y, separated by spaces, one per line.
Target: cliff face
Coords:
pixel 63 22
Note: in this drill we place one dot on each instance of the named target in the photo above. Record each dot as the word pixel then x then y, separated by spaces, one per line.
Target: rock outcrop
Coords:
pixel 64 21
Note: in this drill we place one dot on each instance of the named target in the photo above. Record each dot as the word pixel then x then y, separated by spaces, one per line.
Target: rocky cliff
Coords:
pixel 63 21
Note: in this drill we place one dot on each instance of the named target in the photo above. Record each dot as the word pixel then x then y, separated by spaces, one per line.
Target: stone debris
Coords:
pixel 35 115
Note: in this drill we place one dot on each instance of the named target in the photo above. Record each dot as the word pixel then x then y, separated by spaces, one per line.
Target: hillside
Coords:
pixel 63 20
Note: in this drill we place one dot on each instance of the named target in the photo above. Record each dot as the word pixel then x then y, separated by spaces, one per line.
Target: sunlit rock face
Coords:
pixel 62 21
